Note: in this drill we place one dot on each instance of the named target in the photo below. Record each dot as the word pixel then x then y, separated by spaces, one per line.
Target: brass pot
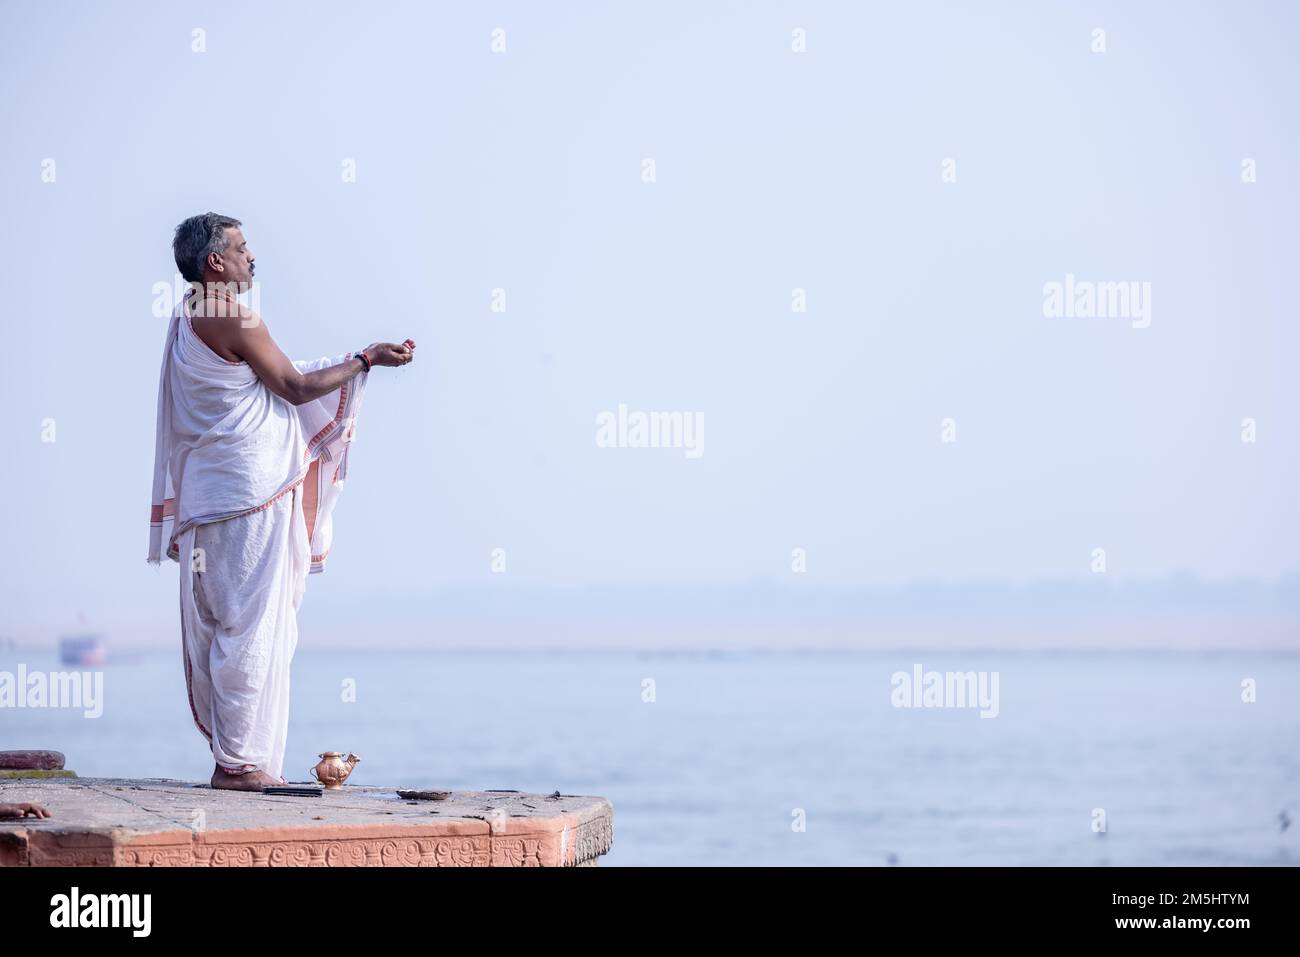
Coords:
pixel 333 769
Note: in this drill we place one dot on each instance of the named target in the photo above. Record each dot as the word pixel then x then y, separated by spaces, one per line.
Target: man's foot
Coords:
pixel 248 781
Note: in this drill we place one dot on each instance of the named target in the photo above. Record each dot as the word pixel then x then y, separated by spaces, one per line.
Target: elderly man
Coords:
pixel 251 453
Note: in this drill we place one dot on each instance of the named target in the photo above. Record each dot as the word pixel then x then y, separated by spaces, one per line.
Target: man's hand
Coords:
pixel 22 810
pixel 390 353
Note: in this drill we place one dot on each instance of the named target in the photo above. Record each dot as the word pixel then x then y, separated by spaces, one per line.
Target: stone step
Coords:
pixel 109 822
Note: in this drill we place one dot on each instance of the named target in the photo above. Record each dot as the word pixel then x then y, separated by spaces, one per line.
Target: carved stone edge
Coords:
pixel 568 842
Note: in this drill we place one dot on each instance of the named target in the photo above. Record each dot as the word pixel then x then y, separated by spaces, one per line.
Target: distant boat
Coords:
pixel 85 650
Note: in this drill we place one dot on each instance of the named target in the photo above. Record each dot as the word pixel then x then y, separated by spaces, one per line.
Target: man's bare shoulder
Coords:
pixel 227 326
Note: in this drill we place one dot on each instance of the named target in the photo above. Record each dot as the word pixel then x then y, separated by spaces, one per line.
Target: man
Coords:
pixel 251 453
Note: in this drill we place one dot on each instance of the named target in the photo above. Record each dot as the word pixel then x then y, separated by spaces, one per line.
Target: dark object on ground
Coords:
pixel 424 795
pixel 31 760
pixel 301 790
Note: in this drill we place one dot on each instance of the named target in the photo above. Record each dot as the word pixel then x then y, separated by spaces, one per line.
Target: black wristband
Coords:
pixel 364 361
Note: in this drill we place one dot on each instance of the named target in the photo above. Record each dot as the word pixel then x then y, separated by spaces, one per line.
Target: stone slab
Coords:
pixel 109 822
pixel 31 759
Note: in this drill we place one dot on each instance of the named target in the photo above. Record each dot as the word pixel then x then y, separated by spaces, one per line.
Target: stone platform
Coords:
pixel 107 822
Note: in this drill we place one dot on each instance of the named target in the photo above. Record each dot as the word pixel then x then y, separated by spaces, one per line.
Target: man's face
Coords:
pixel 236 261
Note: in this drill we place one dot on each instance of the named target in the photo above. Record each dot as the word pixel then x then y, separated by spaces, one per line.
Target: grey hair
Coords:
pixel 196 239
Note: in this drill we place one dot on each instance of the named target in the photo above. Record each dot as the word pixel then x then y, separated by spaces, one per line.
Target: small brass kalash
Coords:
pixel 333 769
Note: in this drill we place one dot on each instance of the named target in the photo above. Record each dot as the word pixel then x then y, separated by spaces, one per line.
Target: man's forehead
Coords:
pixel 234 234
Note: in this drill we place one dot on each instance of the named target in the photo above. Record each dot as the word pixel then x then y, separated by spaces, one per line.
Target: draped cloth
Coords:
pixel 244 489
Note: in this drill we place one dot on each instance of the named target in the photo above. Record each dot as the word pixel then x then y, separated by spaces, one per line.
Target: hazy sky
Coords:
pixel 774 170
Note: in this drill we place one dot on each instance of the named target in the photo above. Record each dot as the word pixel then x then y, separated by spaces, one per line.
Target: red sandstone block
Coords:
pixel 13 848
pixel 31 760
pixel 69 849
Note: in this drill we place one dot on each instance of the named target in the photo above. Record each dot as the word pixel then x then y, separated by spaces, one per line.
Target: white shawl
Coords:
pixel 227 445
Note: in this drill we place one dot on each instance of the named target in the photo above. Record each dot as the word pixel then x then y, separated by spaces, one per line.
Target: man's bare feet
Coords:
pixel 22 810
pixel 250 781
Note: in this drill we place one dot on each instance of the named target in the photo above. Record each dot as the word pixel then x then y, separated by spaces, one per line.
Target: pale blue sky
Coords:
pixel 522 170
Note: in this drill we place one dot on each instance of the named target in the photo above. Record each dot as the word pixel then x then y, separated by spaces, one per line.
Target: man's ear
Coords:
pixel 214 262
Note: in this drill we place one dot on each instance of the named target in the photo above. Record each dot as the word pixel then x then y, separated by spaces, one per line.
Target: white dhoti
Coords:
pixel 239 607
pixel 244 491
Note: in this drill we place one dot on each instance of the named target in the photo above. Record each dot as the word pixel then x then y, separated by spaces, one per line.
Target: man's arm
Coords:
pixel 252 342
